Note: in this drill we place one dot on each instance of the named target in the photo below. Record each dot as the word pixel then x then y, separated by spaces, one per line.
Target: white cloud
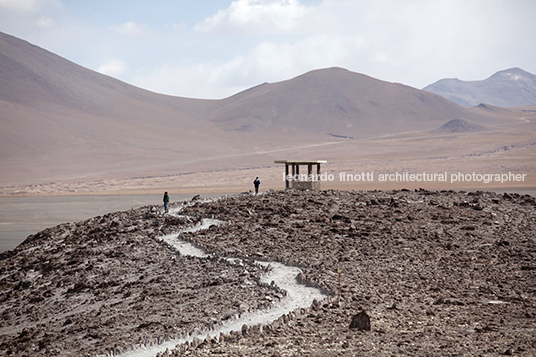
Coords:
pixel 266 62
pixel 415 42
pixel 131 28
pixel 270 61
pixel 21 5
pixel 194 80
pixel 178 26
pixel 113 68
pixel 264 16
pixel 46 22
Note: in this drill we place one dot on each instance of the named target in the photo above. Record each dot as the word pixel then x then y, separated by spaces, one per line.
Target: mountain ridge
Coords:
pixel 340 102
pixel 512 87
pixel 61 120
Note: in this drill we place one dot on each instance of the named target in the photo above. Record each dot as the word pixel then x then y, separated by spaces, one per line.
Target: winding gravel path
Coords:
pixel 284 276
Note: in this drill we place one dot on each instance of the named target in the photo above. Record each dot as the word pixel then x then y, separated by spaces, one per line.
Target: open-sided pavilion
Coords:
pixel 295 180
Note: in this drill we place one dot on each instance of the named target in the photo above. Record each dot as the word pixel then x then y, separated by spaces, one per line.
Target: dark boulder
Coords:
pixel 361 321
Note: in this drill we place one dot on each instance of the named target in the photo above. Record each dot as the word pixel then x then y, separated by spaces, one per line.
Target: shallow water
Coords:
pixel 21 216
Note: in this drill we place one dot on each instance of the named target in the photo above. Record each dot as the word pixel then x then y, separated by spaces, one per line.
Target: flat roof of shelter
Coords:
pixel 300 162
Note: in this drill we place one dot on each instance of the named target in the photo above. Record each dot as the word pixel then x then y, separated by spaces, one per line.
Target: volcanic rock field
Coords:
pixel 439 273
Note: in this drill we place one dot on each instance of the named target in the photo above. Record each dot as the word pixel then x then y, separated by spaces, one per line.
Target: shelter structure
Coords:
pixel 303 181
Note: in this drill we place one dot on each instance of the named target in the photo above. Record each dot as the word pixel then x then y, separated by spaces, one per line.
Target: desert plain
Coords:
pixel 501 149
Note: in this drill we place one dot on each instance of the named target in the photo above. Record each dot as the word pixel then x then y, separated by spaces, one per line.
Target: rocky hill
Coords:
pixel 435 271
pixel 97 286
pixel 459 126
pixel 336 102
pixel 509 88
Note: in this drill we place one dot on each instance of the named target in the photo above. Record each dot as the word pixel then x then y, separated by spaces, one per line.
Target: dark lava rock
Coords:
pixel 120 286
pixel 431 247
pixel 361 321
pixel 79 288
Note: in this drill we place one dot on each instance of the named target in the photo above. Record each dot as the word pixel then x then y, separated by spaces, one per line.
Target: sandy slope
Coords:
pixel 499 149
pixel 63 124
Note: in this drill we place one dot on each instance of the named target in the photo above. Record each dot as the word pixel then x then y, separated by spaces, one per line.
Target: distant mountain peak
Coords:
pixel 513 74
pixel 511 87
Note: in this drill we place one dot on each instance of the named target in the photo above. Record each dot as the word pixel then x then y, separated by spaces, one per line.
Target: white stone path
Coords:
pixel 284 276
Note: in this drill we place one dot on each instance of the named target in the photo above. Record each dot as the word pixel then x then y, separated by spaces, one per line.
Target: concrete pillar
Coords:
pixel 287 183
pixel 293 174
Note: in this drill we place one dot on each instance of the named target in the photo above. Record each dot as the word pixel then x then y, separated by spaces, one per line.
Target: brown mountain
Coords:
pixel 338 102
pixel 62 121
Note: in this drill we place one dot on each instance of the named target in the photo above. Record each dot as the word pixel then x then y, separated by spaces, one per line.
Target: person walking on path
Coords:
pixel 256 183
pixel 166 202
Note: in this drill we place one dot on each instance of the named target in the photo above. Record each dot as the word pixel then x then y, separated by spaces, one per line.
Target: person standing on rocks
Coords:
pixel 166 202
pixel 256 183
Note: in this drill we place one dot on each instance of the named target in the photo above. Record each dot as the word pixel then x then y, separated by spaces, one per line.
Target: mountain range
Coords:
pixel 509 88
pixel 61 121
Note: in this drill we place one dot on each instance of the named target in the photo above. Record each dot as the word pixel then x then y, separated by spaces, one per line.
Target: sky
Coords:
pixel 216 48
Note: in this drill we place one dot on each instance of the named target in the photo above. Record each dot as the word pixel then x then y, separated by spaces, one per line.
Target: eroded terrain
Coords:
pixel 109 284
pixel 439 273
